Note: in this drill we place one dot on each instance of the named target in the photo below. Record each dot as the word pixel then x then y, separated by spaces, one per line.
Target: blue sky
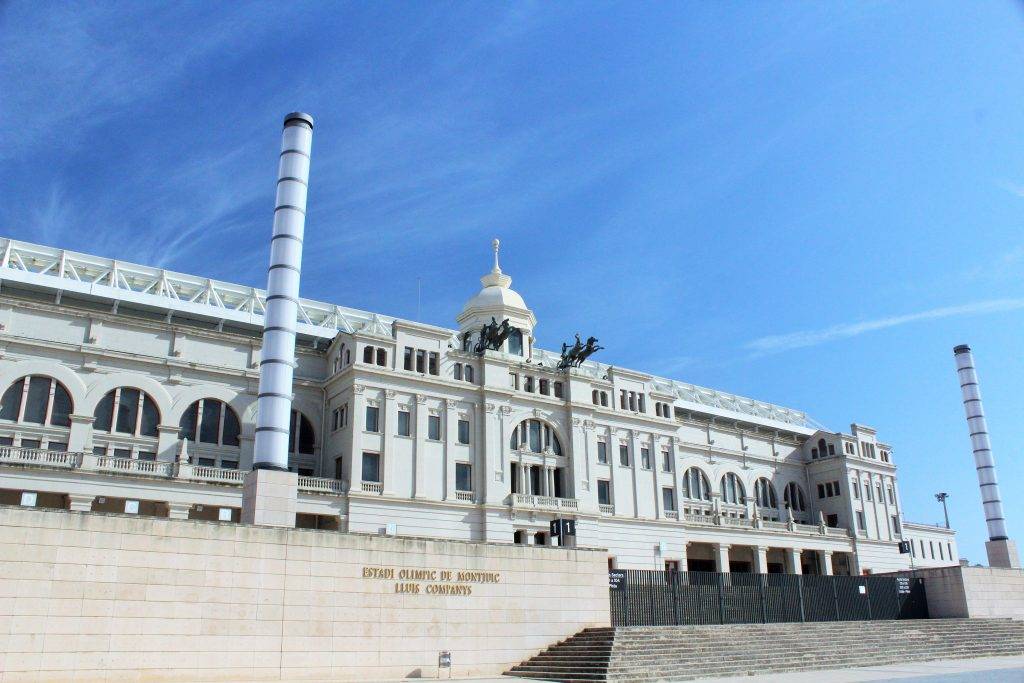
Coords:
pixel 806 203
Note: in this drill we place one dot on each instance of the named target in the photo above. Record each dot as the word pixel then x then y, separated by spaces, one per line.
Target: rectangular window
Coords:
pixel 558 390
pixel 371 467
pixel 821 490
pixel 604 492
pixel 434 427
pixel 896 524
pixel 458 371
pixel 892 496
pixel 407 358
pixel 371 418
pixel 122 452
pixel 433 363
pixel 464 432
pixel 855 487
pixel 382 357
pixel 421 361
pixel 150 456
pixel 57 446
pixel 668 499
pixel 203 462
pixel 368 354
pixel 544 387
pixel 666 461
pixel 645 458
pixel 514 380
pixel 31 443
pixel 602 452
pixel 624 455
pixel 835 488
pixel 622 399
pixel 404 423
pixel 878 490
pixel 828 489
pixel 641 403
pixel 339 467
pixel 861 525
pixel 528 384
pixel 867 491
pixel 335 419
pixel 463 476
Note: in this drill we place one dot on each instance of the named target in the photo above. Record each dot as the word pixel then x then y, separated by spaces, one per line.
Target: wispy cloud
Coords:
pixel 795 340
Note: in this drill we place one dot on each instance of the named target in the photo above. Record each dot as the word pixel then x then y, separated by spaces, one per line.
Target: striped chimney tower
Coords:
pixel 277 361
pixel 1002 552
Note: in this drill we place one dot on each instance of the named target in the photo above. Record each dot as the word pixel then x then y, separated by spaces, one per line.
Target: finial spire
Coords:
pixel 496 278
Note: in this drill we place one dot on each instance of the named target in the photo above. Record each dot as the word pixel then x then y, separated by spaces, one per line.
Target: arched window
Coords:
pixel 37 399
pixel 126 410
pixel 210 421
pixel 764 494
pixel 368 354
pixel 536 436
pixel 822 448
pixel 515 342
pixel 794 497
pixel 732 489
pixel 696 485
pixel 301 437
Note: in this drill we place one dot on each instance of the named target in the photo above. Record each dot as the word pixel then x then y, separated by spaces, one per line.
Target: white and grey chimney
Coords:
pixel 277 361
pixel 1001 550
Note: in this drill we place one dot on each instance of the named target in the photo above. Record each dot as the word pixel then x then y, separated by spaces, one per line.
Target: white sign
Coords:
pixel 863 590
pixel 131 507
pixel 224 514
pixel 28 498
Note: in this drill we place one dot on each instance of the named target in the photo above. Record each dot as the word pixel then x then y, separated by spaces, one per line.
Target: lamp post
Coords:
pixel 941 497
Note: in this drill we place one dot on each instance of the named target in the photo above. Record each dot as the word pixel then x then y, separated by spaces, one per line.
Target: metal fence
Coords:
pixel 642 597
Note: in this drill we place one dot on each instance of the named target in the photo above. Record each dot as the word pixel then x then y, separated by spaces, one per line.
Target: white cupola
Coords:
pixel 496 302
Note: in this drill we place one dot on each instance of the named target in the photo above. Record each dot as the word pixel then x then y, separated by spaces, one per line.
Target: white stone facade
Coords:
pixel 399 430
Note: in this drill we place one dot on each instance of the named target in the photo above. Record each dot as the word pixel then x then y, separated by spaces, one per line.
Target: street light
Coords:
pixel 941 497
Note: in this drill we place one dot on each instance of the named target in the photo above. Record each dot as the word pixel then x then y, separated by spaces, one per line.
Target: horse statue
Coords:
pixel 573 356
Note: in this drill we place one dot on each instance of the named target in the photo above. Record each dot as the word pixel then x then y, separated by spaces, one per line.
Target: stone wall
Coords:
pixel 88 596
pixel 976 592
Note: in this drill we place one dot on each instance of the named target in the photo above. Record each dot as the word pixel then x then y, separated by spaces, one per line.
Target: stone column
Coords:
pixel 358 427
pixel 634 455
pixel 826 562
pixel 682 557
pixel 721 557
pixel 549 479
pixel 793 561
pixel 79 502
pixel 248 444
pixel 80 438
pixel 167 442
pixel 760 553
pixel 450 420
pixel 419 447
pixel 388 419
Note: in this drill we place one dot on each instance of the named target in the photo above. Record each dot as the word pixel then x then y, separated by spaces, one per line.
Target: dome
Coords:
pixel 497 299
pixel 492 298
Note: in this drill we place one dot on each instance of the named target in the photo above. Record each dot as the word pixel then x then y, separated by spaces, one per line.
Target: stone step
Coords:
pixel 708 672
pixel 686 652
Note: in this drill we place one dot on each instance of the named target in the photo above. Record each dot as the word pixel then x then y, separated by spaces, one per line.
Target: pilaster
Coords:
pixel 721 557
pixel 760 553
pixel 419 448
pixel 388 419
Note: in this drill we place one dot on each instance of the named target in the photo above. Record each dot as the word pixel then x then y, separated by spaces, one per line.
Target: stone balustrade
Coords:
pixel 38 456
pixel 543 502
pixel 466 496
pixel 372 487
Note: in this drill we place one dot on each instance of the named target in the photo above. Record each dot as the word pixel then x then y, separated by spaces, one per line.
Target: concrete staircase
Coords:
pixel 678 653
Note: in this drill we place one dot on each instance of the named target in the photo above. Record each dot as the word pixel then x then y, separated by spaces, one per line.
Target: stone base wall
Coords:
pixel 87 596
pixel 976 592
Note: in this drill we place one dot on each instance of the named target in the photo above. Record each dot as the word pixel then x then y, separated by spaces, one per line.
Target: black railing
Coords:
pixel 666 598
